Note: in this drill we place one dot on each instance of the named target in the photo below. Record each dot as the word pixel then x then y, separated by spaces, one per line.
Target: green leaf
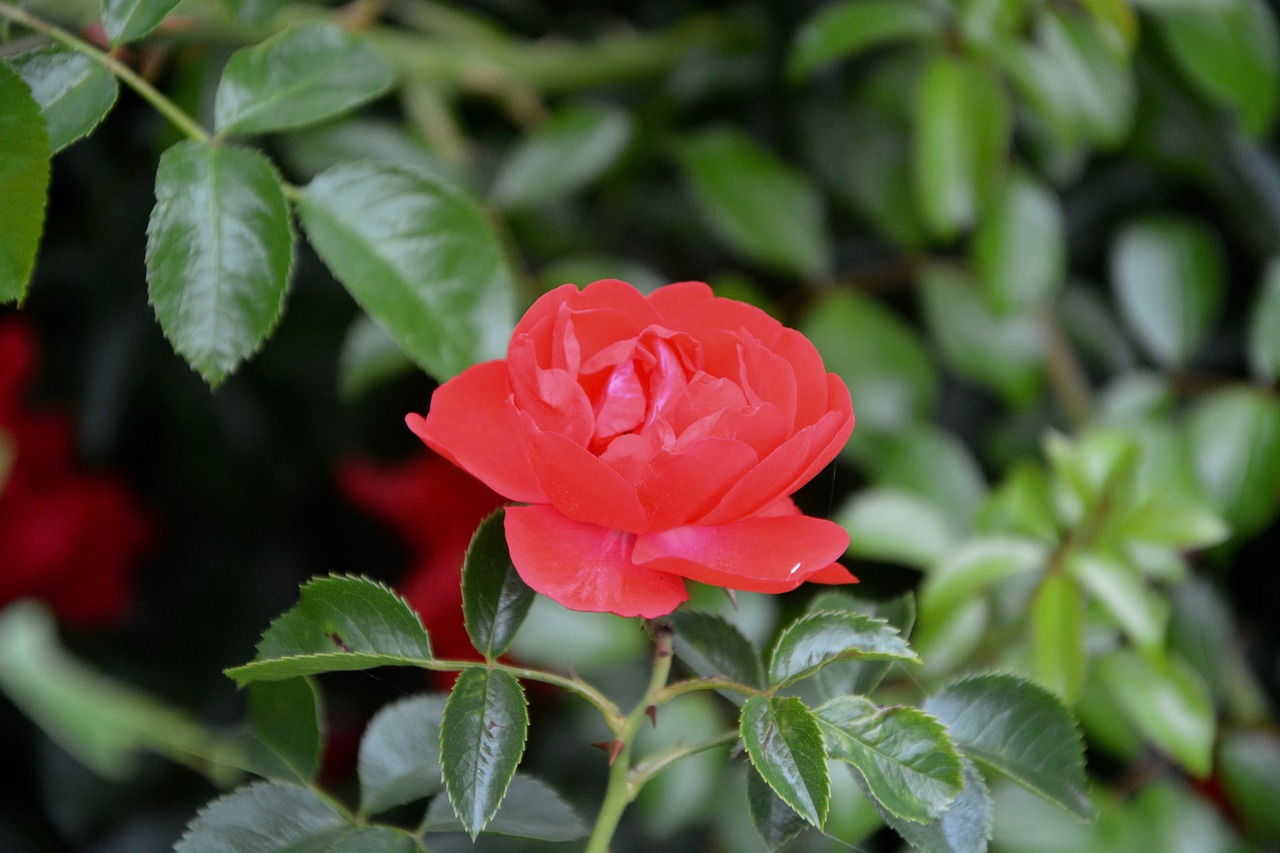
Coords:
pixel 130 20
pixel 1172 519
pixel 846 29
pixel 904 755
pixel 374 839
pixel 74 92
pixel 1057 621
pixel 785 746
pixel 495 600
pixel 286 717
pixel 104 724
pixel 1098 87
pixel 24 183
pixel 816 639
pixel 530 809
pixel 254 13
pixel 1139 611
pixel 1167 701
pixel 369 357
pixel 974 568
pixel 1003 353
pixel 1232 53
pixel 1019 729
pixel 304 75
pixel 1263 344
pixel 759 205
pixel 1235 444
pixel 339 623
pixel 310 151
pixel 399 760
pixel 565 154
pixel 267 817
pixel 965 827
pixel 482 737
pixel 219 253
pixel 962 133
pixel 776 821
pixel 1249 763
pixel 1169 278
pixel 877 355
pixel 930 462
pixel 419 257
pixel 1202 632
pixel 1021 246
pixel 1021 505
pixel 711 646
pixel 896 526
pixel 861 676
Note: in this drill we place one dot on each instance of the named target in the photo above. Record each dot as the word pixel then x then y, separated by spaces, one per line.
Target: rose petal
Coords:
pixel 769 554
pixel 585 566
pixel 472 424
pixel 675 299
pixel 578 484
pixel 720 315
pixel 832 574
pixel 838 394
pixel 812 395
pixel 677 487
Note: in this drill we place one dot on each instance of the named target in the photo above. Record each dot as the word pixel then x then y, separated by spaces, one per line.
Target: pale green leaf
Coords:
pixel 399 759
pixel 816 639
pixel 896 526
pixel 930 462
pixel 420 258
pixel 286 717
pixel 1167 701
pixel 846 29
pixel 219 254
pixel 130 20
pixel 1235 444
pixel 784 743
pixel 964 827
pixel 24 183
pixel 1249 764
pixel 840 678
pixel 1057 622
pixel 1138 610
pixel 1174 519
pixel 303 75
pixel 1020 247
pixel 74 92
pixel 482 737
pixel 974 568
pixel 562 156
pixel 339 623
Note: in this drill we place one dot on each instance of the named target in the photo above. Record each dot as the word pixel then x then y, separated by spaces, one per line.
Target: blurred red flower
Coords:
pixel 435 508
pixel 68 537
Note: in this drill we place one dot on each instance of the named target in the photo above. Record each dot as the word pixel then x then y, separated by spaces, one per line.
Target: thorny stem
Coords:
pixel 121 71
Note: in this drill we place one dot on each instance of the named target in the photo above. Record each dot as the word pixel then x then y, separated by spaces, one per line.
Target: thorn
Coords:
pixel 652 711
pixel 613 747
pixel 733 597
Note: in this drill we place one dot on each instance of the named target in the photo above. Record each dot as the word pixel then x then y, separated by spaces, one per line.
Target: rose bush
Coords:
pixel 654 439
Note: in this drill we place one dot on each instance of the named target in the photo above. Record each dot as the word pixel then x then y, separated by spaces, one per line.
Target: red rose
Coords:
pixel 70 538
pixel 654 440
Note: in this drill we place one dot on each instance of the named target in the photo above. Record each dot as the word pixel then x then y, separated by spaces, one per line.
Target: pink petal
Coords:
pixel 810 375
pixel 832 574
pixel 730 315
pixel 473 425
pixel 838 394
pixel 771 554
pixel 677 487
pixel 675 299
pixel 586 567
pixel 578 484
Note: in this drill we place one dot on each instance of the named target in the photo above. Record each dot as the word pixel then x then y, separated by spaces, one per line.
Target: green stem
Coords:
pixel 607 708
pixel 122 72
pixel 620 791
pixel 695 685
pixel 656 763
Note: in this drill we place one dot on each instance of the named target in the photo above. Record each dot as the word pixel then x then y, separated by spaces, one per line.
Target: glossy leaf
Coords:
pixel 562 156
pixel 495 600
pixel 339 623
pixel 531 809
pixel 1020 247
pixel 896 526
pixel 1232 53
pixel 784 743
pixel 482 737
pixel 1057 621
pixel 757 204
pixel 974 568
pixel 711 647
pixel 303 75
pixel 1169 280
pixel 24 183
pixel 1167 701
pixel 1003 353
pixel 878 356
pixel 846 29
pixel 1019 729
pixel 74 92
pixel 266 817
pixel 419 257
pixel 399 759
pixel 130 20
pixel 841 678
pixel 904 755
pixel 286 717
pixel 1263 345
pixel 964 827
pixel 310 151
pixel 219 254
pixel 817 639
pixel 1249 763
pixel 962 133
pixel 374 839
pixel 1139 611
pixel 1235 444
pixel 776 821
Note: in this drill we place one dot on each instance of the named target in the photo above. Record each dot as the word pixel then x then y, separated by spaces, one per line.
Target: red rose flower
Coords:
pixel 436 509
pixel 70 538
pixel 654 440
